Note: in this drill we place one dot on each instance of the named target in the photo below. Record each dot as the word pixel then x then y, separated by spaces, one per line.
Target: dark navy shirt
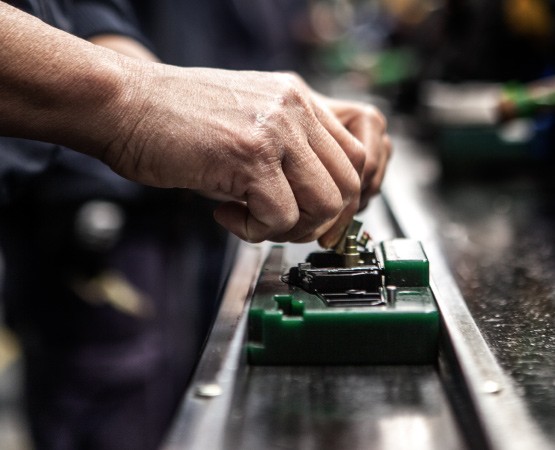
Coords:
pixel 84 18
pixel 22 162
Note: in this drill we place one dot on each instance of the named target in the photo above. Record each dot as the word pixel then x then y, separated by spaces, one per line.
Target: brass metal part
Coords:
pixel 364 238
pixel 352 230
pixel 351 255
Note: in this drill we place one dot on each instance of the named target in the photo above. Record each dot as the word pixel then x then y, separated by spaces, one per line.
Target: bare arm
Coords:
pixel 51 83
pixel 364 122
pixel 289 167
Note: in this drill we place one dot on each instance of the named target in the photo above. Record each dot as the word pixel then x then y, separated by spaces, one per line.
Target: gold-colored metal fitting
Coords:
pixel 352 230
pixel 364 238
pixel 351 255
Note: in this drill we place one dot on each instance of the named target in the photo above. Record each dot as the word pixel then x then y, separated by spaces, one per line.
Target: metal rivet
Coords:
pixel 208 390
pixel 391 294
pixel 491 387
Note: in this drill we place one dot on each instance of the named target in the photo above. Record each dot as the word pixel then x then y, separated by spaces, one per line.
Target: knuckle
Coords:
pixel 358 155
pixel 291 91
pixel 287 82
pixel 282 228
pixel 352 188
pixel 372 164
pixel 291 78
pixel 289 218
pixel 275 230
pixel 376 118
pixel 256 237
pixel 331 206
pixel 262 143
pixel 341 198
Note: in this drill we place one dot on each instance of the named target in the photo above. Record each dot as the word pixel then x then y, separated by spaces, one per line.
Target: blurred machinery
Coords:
pixel 462 70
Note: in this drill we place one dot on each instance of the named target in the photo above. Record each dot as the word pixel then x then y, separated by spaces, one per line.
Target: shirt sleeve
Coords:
pixel 95 17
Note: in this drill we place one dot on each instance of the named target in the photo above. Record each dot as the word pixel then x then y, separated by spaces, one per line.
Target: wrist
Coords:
pixel 54 86
pixel 89 117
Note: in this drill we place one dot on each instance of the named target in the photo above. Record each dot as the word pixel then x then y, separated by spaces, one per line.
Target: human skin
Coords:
pixel 291 165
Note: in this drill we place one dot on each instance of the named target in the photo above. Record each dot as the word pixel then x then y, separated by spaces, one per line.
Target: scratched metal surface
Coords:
pixel 364 407
pixel 497 232
pixel 355 407
pixel 335 407
pixel 506 272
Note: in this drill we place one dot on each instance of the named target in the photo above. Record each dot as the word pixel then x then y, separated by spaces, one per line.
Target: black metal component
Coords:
pixel 353 297
pixel 324 276
pixel 330 258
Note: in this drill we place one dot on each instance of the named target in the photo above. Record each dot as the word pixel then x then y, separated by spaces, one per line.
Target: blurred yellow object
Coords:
pixel 410 11
pixel 9 349
pixel 530 18
pixel 114 289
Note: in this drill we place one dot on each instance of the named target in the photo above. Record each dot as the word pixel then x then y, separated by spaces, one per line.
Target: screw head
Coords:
pixel 491 387
pixel 208 390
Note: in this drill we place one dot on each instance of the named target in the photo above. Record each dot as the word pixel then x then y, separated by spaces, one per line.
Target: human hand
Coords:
pixel 368 125
pixel 289 167
pixel 363 121
pixel 262 140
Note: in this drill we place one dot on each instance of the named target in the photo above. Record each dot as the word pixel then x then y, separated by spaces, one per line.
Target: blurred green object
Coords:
pixel 384 68
pixel 526 101
pixel 337 57
pixel 471 148
pixel 394 66
pixel 289 325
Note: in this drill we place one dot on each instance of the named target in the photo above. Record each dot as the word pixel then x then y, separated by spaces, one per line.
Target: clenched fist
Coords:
pixel 289 164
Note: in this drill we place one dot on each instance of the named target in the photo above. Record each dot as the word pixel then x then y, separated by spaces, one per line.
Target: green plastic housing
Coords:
pixel 289 326
pixel 405 263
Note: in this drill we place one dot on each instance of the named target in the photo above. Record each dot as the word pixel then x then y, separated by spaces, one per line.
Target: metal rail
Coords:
pixel 201 420
pixel 501 413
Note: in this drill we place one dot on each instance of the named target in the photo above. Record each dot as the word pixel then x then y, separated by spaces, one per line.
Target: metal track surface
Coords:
pixel 501 413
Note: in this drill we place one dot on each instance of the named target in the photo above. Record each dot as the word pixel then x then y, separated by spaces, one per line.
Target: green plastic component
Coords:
pixel 405 263
pixel 395 66
pixel 525 102
pixel 289 326
pixel 472 145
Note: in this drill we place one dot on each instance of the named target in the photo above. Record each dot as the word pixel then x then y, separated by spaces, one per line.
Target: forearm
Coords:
pixel 55 87
pixel 293 170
